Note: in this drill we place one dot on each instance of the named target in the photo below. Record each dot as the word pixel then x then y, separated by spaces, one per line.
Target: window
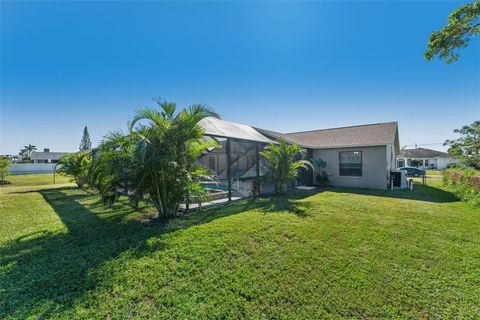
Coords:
pixel 426 163
pixel 351 163
pixel 211 163
pixel 250 161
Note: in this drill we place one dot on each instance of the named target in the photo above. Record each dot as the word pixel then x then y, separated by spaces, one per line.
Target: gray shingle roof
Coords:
pixel 362 135
pixel 270 134
pixel 47 155
pixel 422 153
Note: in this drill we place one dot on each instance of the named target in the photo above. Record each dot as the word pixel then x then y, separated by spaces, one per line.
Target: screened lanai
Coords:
pixel 235 164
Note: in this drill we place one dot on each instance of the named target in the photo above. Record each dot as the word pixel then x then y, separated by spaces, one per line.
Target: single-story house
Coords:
pixel 47 156
pixel 424 158
pixel 356 156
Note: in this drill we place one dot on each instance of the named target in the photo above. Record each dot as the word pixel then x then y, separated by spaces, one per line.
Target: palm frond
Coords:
pixel 202 111
pixel 148 114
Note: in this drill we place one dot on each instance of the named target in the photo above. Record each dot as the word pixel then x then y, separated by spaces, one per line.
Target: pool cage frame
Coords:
pixel 232 133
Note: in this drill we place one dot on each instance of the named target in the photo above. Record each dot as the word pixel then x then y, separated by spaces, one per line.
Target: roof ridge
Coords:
pixel 345 127
pixel 52 151
pixel 413 149
pixel 420 148
pixel 268 130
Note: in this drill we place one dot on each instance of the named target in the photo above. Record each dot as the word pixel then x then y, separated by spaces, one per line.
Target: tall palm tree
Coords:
pixel 29 149
pixel 162 147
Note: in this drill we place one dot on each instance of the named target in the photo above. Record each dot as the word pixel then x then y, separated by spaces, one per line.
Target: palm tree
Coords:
pixel 76 165
pixel 29 149
pixel 162 148
pixel 23 154
pixel 282 164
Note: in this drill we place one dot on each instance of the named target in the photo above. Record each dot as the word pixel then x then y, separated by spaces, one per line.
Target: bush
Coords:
pixel 465 184
pixel 78 166
pixel 4 169
pixel 282 164
pixel 111 175
pixel 322 176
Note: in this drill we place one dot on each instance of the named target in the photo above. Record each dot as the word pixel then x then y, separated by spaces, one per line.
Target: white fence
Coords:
pixel 32 168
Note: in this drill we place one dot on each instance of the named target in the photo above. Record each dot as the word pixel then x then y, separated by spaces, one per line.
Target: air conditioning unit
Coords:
pixel 398 179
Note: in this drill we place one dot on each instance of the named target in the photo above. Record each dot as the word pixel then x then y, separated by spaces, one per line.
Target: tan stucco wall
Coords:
pixel 374 167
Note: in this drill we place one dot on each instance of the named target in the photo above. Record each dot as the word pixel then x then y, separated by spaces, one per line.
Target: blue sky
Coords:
pixel 283 66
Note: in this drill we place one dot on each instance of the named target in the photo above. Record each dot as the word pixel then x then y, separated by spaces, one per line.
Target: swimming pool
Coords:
pixel 214 186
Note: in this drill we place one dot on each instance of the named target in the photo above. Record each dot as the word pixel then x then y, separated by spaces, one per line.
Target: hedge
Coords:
pixel 465 184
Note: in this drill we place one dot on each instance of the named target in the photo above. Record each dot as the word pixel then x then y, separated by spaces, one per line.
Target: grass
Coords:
pixel 341 253
pixel 36 179
pixel 433 172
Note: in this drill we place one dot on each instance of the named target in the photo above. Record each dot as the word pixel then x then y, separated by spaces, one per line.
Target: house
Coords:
pixel 424 158
pixel 46 156
pixel 357 156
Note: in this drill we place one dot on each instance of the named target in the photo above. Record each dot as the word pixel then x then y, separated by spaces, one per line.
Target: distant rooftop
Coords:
pixel 422 153
pixel 47 155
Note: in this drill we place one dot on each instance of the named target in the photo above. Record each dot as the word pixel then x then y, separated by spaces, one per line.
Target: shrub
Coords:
pixel 321 176
pixel 282 164
pixel 112 175
pixel 78 166
pixel 465 184
pixel 4 169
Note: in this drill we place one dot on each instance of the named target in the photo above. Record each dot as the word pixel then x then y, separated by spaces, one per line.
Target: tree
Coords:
pixel 23 154
pixel 158 156
pixel 26 152
pixel 467 147
pixel 4 168
pixel 78 166
pixel 321 176
pixel 282 164
pixel 463 24
pixel 114 171
pixel 85 144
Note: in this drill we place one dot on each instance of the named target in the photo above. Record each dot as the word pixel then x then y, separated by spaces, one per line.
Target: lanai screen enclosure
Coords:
pixel 237 162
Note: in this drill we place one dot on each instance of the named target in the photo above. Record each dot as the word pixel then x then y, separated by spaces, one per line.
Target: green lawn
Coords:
pixel 434 172
pixel 35 179
pixel 342 253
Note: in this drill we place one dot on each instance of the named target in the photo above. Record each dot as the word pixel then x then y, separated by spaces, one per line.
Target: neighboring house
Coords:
pixel 43 162
pixel 46 156
pixel 357 156
pixel 424 158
